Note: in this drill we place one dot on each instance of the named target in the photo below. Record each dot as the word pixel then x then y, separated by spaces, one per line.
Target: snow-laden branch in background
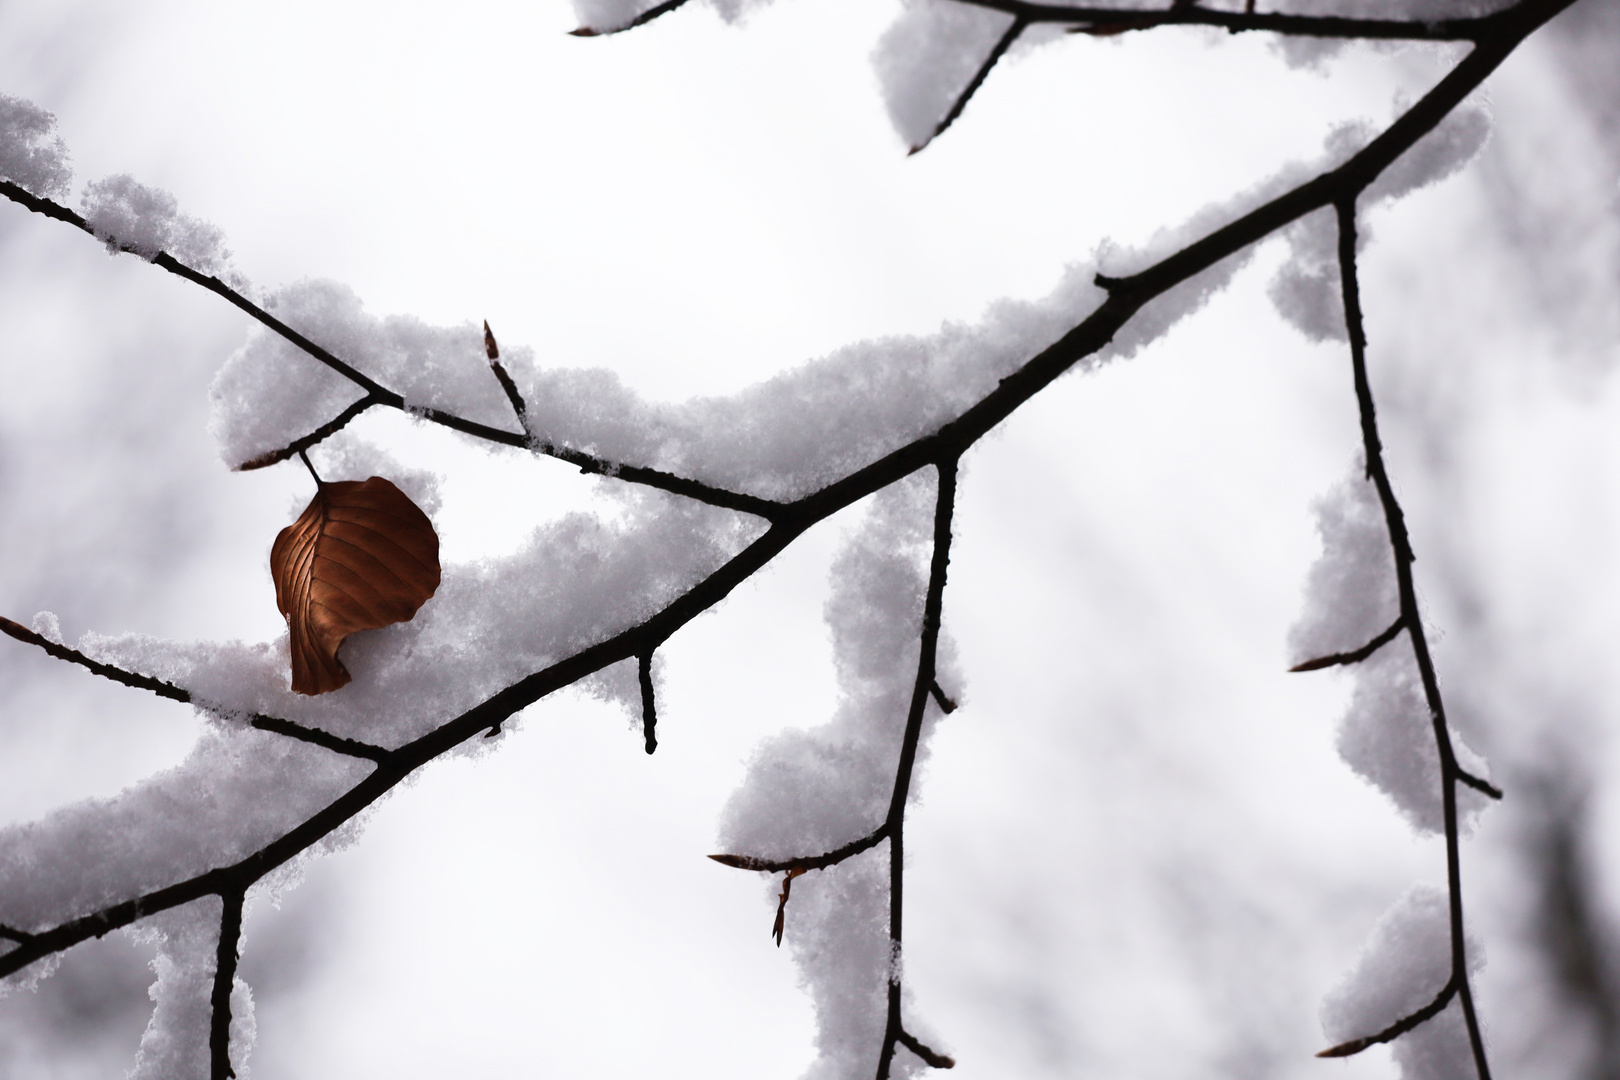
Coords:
pixel 938 53
pixel 593 594
pixel 1395 733
pixel 816 803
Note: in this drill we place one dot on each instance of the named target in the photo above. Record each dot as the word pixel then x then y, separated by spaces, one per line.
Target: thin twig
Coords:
pixel 1122 20
pixel 1484 787
pixel 1401 544
pixel 377 394
pixel 493 352
pixel 225 959
pixel 946 705
pixel 808 862
pixel 1358 655
pixel 1001 47
pixel 1395 1030
pixel 933 607
pixel 933 1057
pixel 649 703
pixel 640 20
pixel 273 724
pixel 19 936
pixel 320 434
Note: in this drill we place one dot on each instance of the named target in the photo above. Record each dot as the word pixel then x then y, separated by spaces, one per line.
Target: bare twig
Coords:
pixel 275 725
pixel 996 53
pixel 320 434
pixel 933 606
pixel 932 1057
pixel 1397 1029
pixel 519 406
pixel 645 17
pixel 225 960
pixel 377 394
pixel 1356 656
pixel 1400 542
pixel 649 703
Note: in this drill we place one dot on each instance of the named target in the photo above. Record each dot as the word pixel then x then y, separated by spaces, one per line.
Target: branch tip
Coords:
pixel 932 1057
pixel 649 703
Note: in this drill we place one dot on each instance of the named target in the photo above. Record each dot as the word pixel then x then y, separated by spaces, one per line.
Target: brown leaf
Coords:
pixel 491 350
pixel 361 556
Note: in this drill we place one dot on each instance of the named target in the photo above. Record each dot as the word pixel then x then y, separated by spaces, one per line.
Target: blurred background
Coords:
pixel 1137 853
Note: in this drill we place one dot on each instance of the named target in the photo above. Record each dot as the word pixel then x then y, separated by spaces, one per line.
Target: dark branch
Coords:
pixel 378 394
pixel 947 705
pixel 933 608
pixel 18 936
pixel 1395 1030
pixel 812 862
pixel 1106 20
pixel 493 352
pixel 645 17
pixel 219 1029
pixel 1358 655
pixel 320 434
pixel 1485 787
pixel 974 83
pixel 932 1057
pixel 273 724
pixel 649 703
pixel 1401 544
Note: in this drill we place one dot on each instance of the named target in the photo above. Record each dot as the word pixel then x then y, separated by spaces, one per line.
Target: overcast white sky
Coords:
pixel 1138 853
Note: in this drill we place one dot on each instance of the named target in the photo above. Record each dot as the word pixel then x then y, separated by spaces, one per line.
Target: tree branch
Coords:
pixel 1107 20
pixel 1358 655
pixel 649 703
pixel 933 607
pixel 1001 47
pixel 1395 1030
pixel 645 17
pixel 219 1030
pixel 377 394
pixel 1400 542
pixel 275 725
pixel 320 434
pixel 932 1057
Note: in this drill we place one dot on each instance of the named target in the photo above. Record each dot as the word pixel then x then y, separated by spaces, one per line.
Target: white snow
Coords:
pixel 1403 967
pixel 127 214
pixel 175 1045
pixel 32 155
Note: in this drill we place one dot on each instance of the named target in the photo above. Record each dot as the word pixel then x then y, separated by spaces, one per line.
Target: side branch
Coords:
pixel 1358 655
pixel 320 434
pixel 273 724
pixel 811 862
pixel 219 1028
pixel 377 394
pixel 1401 544
pixel 1001 47
pixel 1397 1029
pixel 933 607
pixel 933 1058
pixel 1109 20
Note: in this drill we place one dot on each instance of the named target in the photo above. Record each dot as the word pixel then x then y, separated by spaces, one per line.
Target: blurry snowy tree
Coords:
pixel 699 497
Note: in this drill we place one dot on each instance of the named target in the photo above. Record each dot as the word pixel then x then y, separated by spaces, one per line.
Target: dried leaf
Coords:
pixel 491 350
pixel 361 556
